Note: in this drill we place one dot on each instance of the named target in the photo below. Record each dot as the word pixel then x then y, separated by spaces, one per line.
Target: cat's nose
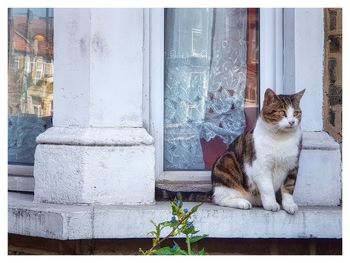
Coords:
pixel 291 123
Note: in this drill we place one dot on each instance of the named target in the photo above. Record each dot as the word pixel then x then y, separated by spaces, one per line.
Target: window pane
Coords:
pixel 211 83
pixel 30 80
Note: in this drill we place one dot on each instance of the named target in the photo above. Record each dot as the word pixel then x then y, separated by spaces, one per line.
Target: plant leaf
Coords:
pixel 151 233
pixel 188 230
pixel 194 239
pixel 164 251
pixel 179 251
pixel 202 252
pixel 166 224
pixel 174 207
pixel 195 208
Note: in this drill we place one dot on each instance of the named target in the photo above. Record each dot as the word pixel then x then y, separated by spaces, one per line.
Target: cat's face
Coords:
pixel 282 111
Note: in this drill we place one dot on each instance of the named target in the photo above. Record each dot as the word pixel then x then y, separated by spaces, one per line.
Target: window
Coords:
pixel 197 90
pixel 210 83
pixel 30 92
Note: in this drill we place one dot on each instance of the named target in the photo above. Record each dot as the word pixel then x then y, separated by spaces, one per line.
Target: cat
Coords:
pixel 261 165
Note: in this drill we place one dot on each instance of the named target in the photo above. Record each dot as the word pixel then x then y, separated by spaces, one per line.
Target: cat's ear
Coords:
pixel 299 95
pixel 269 97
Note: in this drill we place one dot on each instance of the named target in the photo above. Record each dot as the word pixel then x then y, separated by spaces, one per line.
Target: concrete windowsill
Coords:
pixel 110 221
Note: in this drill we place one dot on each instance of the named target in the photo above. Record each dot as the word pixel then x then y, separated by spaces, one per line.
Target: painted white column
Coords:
pixel 98 150
pixel 320 160
pixel 308 63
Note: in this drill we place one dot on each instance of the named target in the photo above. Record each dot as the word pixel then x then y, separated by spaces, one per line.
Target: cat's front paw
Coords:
pixel 272 206
pixel 244 204
pixel 290 207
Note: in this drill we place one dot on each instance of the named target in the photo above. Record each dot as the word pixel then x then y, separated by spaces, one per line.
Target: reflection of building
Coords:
pixel 38 99
pixel 31 66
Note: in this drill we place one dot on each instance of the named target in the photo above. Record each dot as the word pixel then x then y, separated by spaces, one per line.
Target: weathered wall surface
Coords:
pixel 332 107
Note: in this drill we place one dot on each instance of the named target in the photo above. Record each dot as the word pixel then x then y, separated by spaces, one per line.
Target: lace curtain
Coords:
pixel 205 81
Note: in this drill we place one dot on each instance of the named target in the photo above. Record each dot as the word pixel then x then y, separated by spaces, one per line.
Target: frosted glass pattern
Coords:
pixel 205 81
pixel 30 80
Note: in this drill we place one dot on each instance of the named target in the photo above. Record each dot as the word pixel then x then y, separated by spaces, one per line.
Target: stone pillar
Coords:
pixel 320 159
pixel 97 150
pixel 308 61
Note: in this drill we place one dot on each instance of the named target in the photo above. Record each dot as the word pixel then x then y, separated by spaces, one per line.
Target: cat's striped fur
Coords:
pixel 262 164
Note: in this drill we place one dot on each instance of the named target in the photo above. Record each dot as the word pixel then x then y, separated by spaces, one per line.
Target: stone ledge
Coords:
pixel 319 141
pixel 93 136
pixel 98 221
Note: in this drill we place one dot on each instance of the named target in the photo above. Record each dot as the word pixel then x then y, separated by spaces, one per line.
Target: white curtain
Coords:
pixel 205 81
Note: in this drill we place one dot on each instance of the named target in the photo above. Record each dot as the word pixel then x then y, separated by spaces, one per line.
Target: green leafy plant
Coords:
pixel 178 224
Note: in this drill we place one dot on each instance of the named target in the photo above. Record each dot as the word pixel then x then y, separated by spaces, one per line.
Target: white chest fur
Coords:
pixel 276 154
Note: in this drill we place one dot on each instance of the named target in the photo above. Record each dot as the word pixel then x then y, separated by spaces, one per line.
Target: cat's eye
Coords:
pixel 282 113
pixel 297 112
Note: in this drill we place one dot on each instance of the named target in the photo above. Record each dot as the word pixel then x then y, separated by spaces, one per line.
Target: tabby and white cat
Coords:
pixel 262 165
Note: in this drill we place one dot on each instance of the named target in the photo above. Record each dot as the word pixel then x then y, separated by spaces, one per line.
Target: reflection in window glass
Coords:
pixel 30 80
pixel 211 83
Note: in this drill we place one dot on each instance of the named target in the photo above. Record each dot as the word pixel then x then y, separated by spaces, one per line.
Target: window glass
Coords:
pixel 211 83
pixel 30 80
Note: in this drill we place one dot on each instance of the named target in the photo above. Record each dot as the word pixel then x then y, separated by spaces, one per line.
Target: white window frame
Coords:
pixel 271 70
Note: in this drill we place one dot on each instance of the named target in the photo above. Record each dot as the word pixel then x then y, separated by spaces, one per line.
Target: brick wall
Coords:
pixel 332 107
